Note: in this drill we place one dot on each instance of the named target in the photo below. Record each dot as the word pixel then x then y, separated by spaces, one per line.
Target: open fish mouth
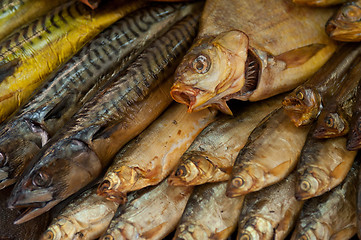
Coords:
pixel 252 73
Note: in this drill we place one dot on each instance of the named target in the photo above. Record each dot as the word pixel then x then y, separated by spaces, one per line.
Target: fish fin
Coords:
pixel 299 56
pixel 153 232
pixel 7 69
pixel 60 108
pixel 346 233
pixel 281 169
pixel 222 234
pixel 341 170
pixel 235 41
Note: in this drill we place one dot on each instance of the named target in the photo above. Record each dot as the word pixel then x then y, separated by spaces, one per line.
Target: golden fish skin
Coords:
pixel 271 212
pixel 332 215
pixel 303 105
pixel 86 217
pixel 319 3
pixel 323 164
pixel 345 24
pixel 211 156
pixel 152 214
pixel 31 53
pixel 259 163
pixel 149 158
pixel 209 214
pixel 241 55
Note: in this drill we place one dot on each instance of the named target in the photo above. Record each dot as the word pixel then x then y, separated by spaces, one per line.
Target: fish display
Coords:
pixel 243 56
pixel 77 81
pixel 354 136
pixel 76 155
pixel 160 206
pixel 334 118
pixel 270 213
pixel 332 215
pixel 209 214
pixel 150 157
pixel 345 24
pixel 211 156
pixel 259 163
pixel 319 3
pixel 303 105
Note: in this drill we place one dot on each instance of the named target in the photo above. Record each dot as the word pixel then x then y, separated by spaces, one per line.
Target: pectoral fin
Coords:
pixel 8 69
pixel 299 56
pixel 281 169
pixel 346 233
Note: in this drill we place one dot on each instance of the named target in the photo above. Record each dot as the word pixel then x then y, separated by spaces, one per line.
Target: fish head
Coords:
pixel 345 25
pixel 243 180
pixel 53 175
pixel 188 231
pixel 303 105
pixel 315 230
pixel 255 228
pixel 311 183
pixel 212 70
pixel 354 136
pixel 331 124
pixel 60 230
pixel 121 230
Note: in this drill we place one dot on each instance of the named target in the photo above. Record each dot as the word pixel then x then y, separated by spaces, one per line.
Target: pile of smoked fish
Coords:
pixel 180 120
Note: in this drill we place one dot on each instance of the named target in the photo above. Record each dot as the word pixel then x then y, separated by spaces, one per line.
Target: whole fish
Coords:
pixel 31 53
pixel 259 163
pixel 209 214
pixel 87 217
pixel 211 156
pixel 354 136
pixel 323 164
pixel 149 158
pixel 15 13
pixel 239 54
pixel 271 212
pixel 337 112
pixel 304 104
pixel 345 24
pixel 77 154
pixel 152 214
pixel 319 3
pixel 332 215
pixel 79 79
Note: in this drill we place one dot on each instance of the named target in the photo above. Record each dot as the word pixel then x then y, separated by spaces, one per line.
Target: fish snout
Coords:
pixel 185 174
pixel 185 95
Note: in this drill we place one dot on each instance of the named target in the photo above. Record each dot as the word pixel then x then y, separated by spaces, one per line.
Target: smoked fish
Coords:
pixel 242 55
pixel 259 163
pixel 318 3
pixel 211 156
pixel 354 136
pixel 76 155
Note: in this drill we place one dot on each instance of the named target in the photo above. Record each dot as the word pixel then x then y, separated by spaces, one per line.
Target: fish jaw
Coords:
pixel 302 106
pixel 255 228
pixel 331 125
pixel 311 183
pixel 354 136
pixel 211 71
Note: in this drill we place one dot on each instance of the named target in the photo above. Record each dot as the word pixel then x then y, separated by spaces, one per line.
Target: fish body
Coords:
pixel 303 105
pixel 319 3
pixel 354 136
pixel 211 156
pixel 332 215
pixel 116 114
pixel 324 163
pixel 271 212
pixel 152 214
pixel 345 25
pixel 259 163
pixel 31 53
pixel 154 153
pixel 239 54
pixel 109 53
pixel 209 214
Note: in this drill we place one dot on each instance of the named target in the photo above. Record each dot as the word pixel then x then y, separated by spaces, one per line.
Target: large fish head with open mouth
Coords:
pixel 53 175
pixel 354 136
pixel 255 228
pixel 330 125
pixel 345 25
pixel 303 105
pixel 19 142
pixel 213 69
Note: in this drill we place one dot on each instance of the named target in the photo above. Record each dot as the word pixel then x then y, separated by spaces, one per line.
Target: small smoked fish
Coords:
pixel 79 79
pixel 31 53
pixel 209 214
pixel 15 13
pixel 271 212
pixel 318 3
pixel 242 55
pixel 270 154
pixel 345 24
pixel 87 217
pixel 152 214
pixel 323 164
pixel 149 158
pixel 332 215
pixel 211 156
pixel 304 104
pixel 79 151
pixel 337 112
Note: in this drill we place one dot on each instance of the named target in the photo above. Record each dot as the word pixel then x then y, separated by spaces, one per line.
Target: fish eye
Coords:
pixel 245 236
pixel 237 182
pixel 2 159
pixel 329 122
pixel 305 186
pixel 41 179
pixel 303 237
pixel 201 64
pixel 49 235
pixel 299 95
pixel 181 171
pixel 352 13
pixel 108 237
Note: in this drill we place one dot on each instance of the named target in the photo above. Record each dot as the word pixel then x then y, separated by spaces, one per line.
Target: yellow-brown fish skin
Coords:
pixel 271 212
pixel 237 54
pixel 345 24
pixel 319 3
pixel 259 163
pixel 211 156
